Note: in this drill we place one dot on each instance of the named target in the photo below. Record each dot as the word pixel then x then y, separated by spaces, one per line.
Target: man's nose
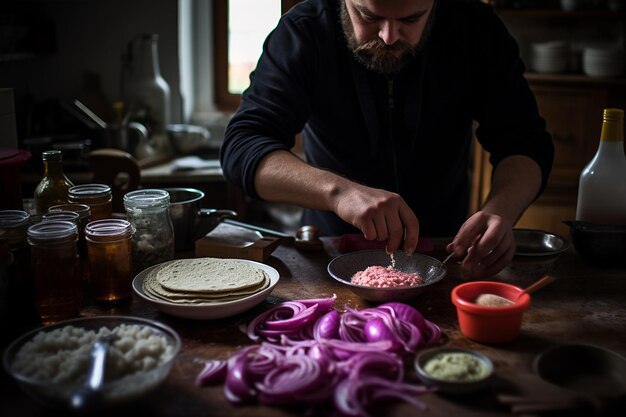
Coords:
pixel 389 32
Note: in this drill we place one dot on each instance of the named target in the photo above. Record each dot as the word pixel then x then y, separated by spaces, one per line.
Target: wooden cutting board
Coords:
pixel 230 241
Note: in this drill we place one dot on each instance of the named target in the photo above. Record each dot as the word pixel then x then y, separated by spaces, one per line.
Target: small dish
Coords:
pixel 116 391
pixel 473 374
pixel 208 311
pixel 343 267
pixel 585 369
pixel 530 242
pixel 489 324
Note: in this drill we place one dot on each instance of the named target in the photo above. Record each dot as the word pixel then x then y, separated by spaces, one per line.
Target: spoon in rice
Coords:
pixel 89 395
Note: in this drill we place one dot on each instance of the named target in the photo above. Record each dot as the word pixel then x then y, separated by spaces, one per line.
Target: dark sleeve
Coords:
pixel 506 110
pixel 275 106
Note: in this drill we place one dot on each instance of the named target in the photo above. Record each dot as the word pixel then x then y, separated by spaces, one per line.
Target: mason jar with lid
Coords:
pixel 69 216
pixel 153 238
pixel 13 227
pixel 56 270
pixel 110 256
pixel 83 212
pixel 97 196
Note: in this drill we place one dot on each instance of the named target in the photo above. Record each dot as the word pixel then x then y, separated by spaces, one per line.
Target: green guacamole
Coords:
pixel 455 367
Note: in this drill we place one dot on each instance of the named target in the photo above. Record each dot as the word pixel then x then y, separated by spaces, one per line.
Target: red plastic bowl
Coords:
pixel 489 324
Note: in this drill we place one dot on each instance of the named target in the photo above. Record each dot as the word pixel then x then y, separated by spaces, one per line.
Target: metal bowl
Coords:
pixel 593 371
pixel 190 220
pixel 115 390
pixel 186 139
pixel 343 267
pixel 530 242
pixel 599 243
pixel 453 387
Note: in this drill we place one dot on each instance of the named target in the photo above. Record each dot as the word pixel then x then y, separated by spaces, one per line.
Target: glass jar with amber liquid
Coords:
pixel 97 196
pixel 54 186
pixel 109 246
pixel 83 212
pixel 57 276
pixel 20 302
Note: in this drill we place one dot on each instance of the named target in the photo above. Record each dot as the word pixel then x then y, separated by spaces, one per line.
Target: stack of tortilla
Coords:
pixel 204 280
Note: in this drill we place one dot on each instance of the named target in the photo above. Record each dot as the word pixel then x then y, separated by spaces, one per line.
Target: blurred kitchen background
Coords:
pixel 65 65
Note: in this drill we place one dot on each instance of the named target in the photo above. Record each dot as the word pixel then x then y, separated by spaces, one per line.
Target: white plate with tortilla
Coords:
pixel 207 310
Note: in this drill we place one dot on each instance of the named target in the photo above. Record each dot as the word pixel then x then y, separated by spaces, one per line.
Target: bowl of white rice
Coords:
pixel 50 363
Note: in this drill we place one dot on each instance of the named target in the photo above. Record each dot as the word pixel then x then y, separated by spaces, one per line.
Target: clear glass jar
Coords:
pixel 110 256
pixel 153 238
pixel 56 270
pixel 97 196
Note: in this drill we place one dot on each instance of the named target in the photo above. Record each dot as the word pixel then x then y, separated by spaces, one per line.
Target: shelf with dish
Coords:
pixel 561 14
pixel 574 79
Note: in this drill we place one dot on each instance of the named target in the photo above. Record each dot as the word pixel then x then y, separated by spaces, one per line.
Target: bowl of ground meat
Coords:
pixel 51 363
pixel 377 276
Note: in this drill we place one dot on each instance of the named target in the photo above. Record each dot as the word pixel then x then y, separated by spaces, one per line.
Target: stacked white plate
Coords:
pixel 551 57
pixel 603 62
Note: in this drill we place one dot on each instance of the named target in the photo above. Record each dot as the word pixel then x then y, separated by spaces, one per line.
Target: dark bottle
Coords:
pixel 54 186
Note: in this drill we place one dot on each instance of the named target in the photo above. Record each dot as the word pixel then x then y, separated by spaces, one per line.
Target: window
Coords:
pixel 240 27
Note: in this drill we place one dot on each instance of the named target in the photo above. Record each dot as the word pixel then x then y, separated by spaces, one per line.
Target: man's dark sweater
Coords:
pixel 409 133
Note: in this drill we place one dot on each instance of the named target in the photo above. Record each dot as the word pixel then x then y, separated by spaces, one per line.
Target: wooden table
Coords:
pixel 586 304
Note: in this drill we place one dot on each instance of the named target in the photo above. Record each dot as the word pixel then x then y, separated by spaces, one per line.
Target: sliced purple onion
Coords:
pixel 311 353
pixel 214 372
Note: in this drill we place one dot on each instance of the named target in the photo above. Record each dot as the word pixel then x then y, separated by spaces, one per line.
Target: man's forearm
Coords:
pixel 516 182
pixel 283 177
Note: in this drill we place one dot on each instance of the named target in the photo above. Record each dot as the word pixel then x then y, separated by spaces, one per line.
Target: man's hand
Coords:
pixel 487 236
pixel 380 215
pixel 488 241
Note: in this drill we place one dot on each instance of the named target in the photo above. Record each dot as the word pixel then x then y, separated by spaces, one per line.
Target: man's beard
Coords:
pixel 375 54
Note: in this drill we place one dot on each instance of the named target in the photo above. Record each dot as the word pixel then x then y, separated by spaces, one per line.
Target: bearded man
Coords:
pixel 385 93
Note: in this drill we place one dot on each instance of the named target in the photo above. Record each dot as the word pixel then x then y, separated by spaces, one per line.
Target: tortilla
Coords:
pixel 209 275
pixel 204 280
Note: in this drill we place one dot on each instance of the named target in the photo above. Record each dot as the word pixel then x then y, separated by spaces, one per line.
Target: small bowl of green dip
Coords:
pixel 454 370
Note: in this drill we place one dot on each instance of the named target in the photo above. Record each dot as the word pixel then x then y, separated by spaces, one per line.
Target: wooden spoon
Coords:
pixel 493 300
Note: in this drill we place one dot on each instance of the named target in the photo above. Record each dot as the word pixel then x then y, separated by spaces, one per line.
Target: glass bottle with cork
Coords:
pixel 54 186
pixel 602 184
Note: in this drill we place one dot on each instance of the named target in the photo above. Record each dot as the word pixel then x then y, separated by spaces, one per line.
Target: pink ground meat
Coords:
pixel 380 276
